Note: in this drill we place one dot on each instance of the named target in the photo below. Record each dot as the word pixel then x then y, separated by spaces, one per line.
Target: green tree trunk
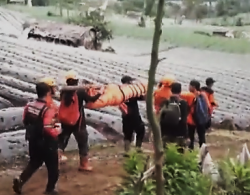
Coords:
pixel 150 112
pixel 60 7
pixel 148 6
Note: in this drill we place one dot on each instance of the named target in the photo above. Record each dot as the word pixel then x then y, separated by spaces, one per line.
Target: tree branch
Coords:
pixel 150 113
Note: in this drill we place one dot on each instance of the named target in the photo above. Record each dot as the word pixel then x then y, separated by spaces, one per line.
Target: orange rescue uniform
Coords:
pixel 190 98
pixel 210 95
pixel 163 91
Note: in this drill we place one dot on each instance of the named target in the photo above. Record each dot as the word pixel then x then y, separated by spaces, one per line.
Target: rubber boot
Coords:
pixel 62 158
pixel 126 148
pixel 17 185
pixel 138 146
pixel 24 177
pixel 84 164
pixel 51 192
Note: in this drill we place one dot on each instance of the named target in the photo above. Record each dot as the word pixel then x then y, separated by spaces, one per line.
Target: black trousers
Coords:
pixel 131 125
pixel 179 141
pixel 201 131
pixel 209 124
pixel 81 136
pixel 39 154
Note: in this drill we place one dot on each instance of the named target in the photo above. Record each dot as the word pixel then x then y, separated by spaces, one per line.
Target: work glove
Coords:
pixel 58 127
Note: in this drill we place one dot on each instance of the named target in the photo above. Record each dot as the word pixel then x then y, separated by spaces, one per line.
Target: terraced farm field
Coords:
pixel 23 62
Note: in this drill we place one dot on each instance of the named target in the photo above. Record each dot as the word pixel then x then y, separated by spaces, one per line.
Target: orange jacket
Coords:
pixel 190 97
pixel 160 95
pixel 163 91
pixel 210 95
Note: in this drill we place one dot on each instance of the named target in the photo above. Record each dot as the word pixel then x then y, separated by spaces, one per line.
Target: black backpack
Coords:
pixel 170 113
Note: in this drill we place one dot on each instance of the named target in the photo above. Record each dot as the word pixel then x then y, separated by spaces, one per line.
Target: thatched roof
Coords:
pixel 65 34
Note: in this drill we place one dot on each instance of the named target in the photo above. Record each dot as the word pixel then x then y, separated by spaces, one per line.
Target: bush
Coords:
pixel 235 178
pixel 228 8
pixel 181 172
pixel 183 176
pixel 134 165
pixel 137 6
pixel 39 2
pixel 100 25
pixel 239 22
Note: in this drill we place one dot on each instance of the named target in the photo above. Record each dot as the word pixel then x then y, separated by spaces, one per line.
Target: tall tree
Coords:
pixel 151 115
pixel 148 6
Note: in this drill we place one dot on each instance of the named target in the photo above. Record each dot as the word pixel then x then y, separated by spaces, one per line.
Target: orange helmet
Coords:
pixel 49 81
pixel 167 80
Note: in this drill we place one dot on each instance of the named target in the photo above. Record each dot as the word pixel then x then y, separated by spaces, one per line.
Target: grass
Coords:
pixel 175 35
pixel 184 36
pixel 39 12
pixel 230 21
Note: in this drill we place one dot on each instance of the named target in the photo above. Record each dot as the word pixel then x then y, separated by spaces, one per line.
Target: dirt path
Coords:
pixel 107 161
pixel 107 175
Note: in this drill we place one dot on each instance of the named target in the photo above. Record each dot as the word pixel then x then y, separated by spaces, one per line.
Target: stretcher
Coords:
pixel 114 95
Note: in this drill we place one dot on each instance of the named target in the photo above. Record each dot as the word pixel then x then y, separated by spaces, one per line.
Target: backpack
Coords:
pixel 201 114
pixel 69 115
pixel 171 113
pixel 34 130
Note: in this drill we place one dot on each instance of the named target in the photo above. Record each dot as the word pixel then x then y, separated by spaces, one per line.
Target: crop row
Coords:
pixel 14 144
pixel 35 60
pixel 10 22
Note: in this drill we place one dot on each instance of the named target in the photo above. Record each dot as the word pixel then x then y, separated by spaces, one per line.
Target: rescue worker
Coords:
pixel 173 119
pixel 163 91
pixel 193 124
pixel 210 94
pixel 53 87
pixel 41 134
pixel 51 82
pixel 131 120
pixel 79 129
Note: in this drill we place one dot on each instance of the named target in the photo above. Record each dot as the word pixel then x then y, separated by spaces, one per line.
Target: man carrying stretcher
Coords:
pixel 131 119
pixel 72 117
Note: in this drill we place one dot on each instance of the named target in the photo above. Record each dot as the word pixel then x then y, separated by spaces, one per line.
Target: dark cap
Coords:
pixel 176 88
pixel 210 81
pixel 196 84
pixel 127 79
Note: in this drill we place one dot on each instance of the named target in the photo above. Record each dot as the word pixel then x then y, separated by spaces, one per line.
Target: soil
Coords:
pixel 107 161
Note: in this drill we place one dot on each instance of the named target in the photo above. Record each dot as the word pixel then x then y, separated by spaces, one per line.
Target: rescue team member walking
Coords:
pixel 53 87
pixel 199 112
pixel 210 94
pixel 173 118
pixel 163 91
pixel 131 119
pixel 51 82
pixel 71 115
pixel 41 133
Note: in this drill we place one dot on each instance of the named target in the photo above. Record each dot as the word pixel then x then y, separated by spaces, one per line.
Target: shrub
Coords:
pixel 134 165
pixel 146 7
pixel 228 8
pixel 235 178
pixel 181 172
pixel 100 25
pixel 183 176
